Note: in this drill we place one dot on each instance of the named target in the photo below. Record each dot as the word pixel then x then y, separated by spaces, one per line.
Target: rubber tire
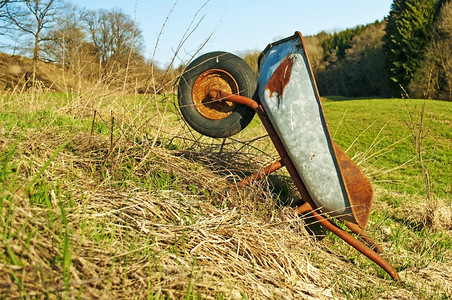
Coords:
pixel 246 81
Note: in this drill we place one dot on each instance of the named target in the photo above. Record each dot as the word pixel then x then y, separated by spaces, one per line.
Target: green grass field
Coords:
pixel 377 134
pixel 105 196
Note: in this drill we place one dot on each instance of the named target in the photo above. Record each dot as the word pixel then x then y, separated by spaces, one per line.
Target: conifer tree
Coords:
pixel 408 33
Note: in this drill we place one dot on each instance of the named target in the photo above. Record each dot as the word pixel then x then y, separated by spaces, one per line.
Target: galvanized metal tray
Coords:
pixel 288 93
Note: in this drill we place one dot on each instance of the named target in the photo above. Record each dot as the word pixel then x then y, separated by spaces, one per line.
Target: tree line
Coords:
pixel 92 44
pixel 58 29
pixel 407 53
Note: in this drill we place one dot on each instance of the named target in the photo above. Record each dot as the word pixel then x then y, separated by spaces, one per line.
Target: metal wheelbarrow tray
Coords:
pixel 218 97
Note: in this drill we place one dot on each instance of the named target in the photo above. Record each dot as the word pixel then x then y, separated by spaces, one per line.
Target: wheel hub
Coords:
pixel 206 102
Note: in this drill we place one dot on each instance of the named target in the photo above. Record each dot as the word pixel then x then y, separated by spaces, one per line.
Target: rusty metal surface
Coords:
pixel 304 208
pixel 281 77
pixel 309 204
pixel 361 247
pixel 258 175
pixel 213 79
pixel 297 116
pixel 365 237
pixel 359 189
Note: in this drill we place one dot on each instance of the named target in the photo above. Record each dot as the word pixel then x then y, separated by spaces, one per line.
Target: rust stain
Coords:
pixel 205 94
pixel 358 186
pixel 280 77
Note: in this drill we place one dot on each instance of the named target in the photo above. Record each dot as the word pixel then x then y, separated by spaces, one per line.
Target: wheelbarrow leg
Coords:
pixel 306 207
pixel 258 175
pixel 364 236
pixel 358 245
pixel 351 240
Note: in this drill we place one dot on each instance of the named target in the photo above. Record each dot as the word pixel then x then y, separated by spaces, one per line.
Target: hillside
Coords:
pixel 17 72
pixel 112 196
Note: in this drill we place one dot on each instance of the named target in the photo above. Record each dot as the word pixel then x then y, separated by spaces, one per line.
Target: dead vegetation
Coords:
pixel 112 216
pixel 169 243
pixel 16 75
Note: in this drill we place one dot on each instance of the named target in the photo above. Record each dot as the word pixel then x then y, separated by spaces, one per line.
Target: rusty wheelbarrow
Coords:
pixel 219 95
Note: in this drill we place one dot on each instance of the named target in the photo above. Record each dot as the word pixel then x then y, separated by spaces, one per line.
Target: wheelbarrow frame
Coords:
pixel 309 205
pixel 286 161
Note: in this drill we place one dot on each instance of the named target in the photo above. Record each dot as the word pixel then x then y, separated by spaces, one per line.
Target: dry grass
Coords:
pixel 436 214
pixel 118 213
pixel 134 242
pixel 138 205
pixel 103 234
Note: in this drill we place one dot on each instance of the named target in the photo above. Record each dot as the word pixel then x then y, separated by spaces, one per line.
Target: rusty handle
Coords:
pixel 361 247
pixel 351 240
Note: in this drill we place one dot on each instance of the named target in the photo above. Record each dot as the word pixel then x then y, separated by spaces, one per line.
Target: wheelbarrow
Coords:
pixel 219 96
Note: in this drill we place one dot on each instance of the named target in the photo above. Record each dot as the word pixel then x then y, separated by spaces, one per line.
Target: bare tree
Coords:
pixel 3 14
pixel 66 44
pixel 315 51
pixel 67 37
pixel 31 18
pixel 3 3
pixel 114 34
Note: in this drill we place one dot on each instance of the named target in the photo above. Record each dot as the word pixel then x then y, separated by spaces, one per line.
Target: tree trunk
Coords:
pixel 35 59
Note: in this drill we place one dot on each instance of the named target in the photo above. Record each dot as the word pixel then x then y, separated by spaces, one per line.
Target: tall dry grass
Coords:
pixel 91 226
pixel 136 204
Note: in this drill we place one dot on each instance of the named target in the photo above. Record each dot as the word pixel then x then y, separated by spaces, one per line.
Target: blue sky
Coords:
pixel 238 25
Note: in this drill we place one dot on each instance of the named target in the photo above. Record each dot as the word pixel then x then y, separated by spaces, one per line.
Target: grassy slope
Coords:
pixel 377 134
pixel 96 219
pixel 384 140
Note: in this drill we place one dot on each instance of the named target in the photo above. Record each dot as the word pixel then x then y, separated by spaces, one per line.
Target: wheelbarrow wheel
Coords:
pixel 216 71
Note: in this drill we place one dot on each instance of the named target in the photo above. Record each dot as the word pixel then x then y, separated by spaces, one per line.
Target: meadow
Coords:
pixel 112 195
